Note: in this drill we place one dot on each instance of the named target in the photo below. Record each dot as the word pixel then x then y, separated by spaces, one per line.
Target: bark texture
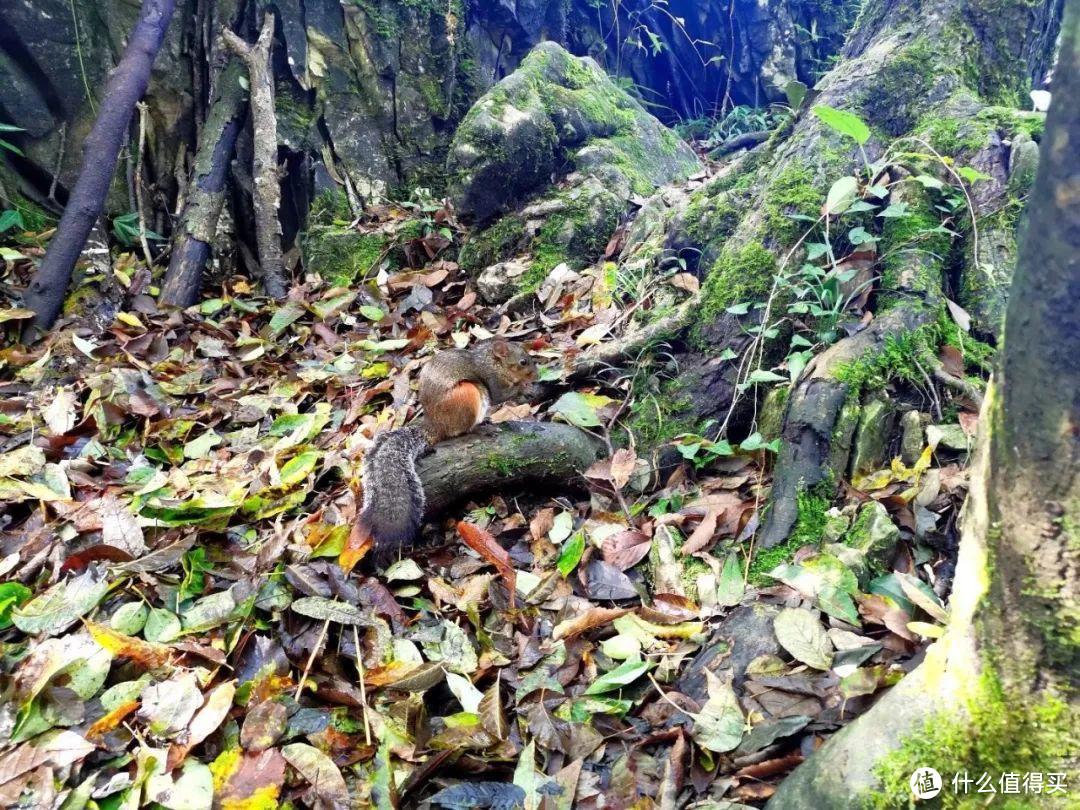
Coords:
pixel 266 189
pixel 101 148
pixel 206 191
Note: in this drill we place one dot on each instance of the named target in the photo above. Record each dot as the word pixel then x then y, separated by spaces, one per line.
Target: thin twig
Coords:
pixel 363 689
pixel 311 659
pixel 139 188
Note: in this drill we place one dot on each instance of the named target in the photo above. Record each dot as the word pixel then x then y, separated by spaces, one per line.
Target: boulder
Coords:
pixel 547 161
pixel 554 115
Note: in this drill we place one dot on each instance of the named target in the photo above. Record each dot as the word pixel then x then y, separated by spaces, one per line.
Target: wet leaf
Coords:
pixel 619 677
pixel 324 777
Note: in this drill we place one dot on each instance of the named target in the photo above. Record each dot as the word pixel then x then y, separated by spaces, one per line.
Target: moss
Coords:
pixel 35 218
pixel 809 529
pixel 329 207
pixel 1001 734
pixel 1011 122
pixel 895 361
pixel 903 85
pixel 914 243
pixel 431 91
pixel 976 353
pixel 344 257
pixel 490 245
pixel 739 274
pixel 710 218
pixel 658 416
pixel 793 191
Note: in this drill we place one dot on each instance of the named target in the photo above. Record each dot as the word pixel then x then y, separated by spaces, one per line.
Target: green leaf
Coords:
pixel 796 93
pixel 888 585
pixel 894 210
pixel 801 634
pixel 846 123
pixel 285 317
pixel 579 409
pixel 971 175
pixel 130 618
pixel 162 626
pixel 61 605
pixel 860 236
pixel 760 375
pixel 729 590
pixel 11 219
pixel 372 313
pixel 738 309
pixel 719 725
pixel 620 676
pixel 571 553
pixel 12 594
pixel 755 441
pixel 299 467
pixel 841 195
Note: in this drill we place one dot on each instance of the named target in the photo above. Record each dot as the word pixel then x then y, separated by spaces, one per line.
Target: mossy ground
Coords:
pixel 343 257
pixel 809 530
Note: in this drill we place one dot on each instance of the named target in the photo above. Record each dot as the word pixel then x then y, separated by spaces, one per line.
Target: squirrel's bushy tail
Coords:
pixel 393 495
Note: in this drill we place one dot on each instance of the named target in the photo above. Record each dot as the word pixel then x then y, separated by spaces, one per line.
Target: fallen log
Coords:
pixel 510 453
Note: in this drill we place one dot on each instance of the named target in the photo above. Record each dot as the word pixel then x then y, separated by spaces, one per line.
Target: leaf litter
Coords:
pixel 187 619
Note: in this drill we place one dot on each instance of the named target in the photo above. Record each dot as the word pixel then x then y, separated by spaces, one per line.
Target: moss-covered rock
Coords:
pixel 874 536
pixel 342 256
pixel 558 114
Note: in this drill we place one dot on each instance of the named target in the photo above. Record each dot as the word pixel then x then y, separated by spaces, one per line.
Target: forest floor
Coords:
pixel 185 609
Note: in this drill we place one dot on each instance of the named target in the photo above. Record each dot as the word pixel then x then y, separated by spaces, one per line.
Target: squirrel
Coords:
pixel 457 389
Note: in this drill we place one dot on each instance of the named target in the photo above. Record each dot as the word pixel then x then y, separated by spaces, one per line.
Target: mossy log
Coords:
pixel 510 454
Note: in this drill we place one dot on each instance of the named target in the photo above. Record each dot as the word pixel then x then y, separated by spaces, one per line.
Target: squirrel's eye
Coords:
pixel 523 362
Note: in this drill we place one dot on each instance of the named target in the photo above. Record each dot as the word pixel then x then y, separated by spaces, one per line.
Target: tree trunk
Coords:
pixel 206 191
pixel 993 689
pixel 266 189
pixel 126 86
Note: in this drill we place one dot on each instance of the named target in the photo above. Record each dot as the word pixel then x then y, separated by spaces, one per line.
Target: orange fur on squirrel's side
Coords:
pixel 459 410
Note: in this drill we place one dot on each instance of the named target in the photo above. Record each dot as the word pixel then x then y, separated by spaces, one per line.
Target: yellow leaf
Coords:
pixel 129 319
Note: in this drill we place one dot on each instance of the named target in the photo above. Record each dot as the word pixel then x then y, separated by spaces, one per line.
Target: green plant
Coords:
pixel 809 301
pixel 126 229
pixel 7 144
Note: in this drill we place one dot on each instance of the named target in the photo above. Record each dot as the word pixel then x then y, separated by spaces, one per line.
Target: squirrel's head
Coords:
pixel 518 367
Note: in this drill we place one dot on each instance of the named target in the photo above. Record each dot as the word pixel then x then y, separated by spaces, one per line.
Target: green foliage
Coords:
pixel 738 275
pixel 896 361
pixel 8 145
pixel 844 122
pixel 126 229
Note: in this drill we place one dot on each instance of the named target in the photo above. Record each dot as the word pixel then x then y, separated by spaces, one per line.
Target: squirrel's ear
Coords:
pixel 500 348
